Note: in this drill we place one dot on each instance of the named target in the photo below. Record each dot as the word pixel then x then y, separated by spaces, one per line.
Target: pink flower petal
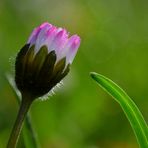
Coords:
pixel 35 33
pixel 73 50
pixel 42 36
pixel 59 41
pixel 50 37
pixel 33 36
pixel 55 39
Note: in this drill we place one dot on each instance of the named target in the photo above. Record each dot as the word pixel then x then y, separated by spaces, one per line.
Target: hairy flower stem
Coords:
pixel 24 107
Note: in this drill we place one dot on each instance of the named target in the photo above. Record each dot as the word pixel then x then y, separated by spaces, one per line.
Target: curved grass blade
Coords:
pixel 29 136
pixel 129 107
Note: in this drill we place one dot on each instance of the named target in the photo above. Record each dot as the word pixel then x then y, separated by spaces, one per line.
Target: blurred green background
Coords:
pixel 114 43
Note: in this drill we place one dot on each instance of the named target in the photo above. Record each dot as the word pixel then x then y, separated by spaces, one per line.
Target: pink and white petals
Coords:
pixel 73 45
pixel 56 39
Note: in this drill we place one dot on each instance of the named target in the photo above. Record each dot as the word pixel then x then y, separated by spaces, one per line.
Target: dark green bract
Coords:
pixel 37 73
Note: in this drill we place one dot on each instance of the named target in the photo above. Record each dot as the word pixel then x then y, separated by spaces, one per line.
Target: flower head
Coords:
pixel 45 60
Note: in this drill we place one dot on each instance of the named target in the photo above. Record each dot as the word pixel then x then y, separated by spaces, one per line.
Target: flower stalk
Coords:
pixel 29 134
pixel 24 107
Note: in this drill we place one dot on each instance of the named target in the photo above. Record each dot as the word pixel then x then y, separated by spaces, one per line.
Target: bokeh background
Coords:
pixel 114 43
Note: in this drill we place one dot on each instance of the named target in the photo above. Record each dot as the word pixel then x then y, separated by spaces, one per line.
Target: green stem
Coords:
pixel 29 134
pixel 24 107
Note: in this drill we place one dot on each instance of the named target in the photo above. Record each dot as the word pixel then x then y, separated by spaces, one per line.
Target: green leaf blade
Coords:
pixel 129 107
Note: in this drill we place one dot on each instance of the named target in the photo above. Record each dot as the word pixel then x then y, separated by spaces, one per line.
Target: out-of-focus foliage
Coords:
pixel 114 42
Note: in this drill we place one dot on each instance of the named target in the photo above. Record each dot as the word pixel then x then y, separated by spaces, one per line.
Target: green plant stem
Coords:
pixel 24 107
pixel 29 134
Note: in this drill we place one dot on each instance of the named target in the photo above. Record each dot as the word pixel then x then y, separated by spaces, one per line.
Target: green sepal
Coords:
pixel 59 67
pixel 37 73
pixel 30 56
pixel 48 66
pixel 19 65
pixel 38 61
pixel 28 65
pixel 59 77
pixel 43 84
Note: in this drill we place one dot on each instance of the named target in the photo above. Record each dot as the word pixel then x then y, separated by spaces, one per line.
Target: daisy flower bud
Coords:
pixel 45 60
